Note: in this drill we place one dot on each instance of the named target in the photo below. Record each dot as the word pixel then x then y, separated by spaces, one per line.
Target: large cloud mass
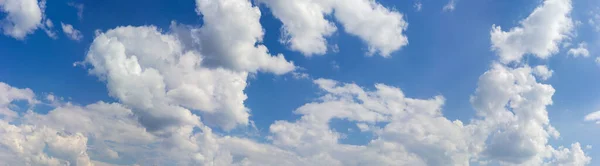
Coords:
pixel 179 91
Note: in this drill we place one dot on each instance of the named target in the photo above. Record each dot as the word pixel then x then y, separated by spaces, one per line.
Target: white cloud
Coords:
pixel 159 78
pixel 23 17
pixel 579 51
pixel 513 107
pixel 542 72
pixel 572 156
pixel 31 145
pixel 230 37
pixel 411 131
pixel 71 32
pixel 450 6
pixel 10 94
pixel 300 75
pixel 151 72
pixel 594 116
pixel 306 27
pixel 539 34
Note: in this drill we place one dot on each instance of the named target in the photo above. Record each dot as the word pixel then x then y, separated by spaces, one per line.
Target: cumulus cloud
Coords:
pixel 151 72
pixel 22 17
pixel 581 50
pixel 71 32
pixel 170 99
pixel 513 107
pixel 305 27
pixel 594 116
pixel 511 127
pixel 230 37
pixel 9 94
pixel 31 145
pixel 539 34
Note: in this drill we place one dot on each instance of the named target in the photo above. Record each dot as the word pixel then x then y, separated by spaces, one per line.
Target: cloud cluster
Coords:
pixel 176 88
pixel 305 27
pixel 511 127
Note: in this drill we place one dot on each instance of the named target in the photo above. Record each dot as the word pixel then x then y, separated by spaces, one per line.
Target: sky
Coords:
pixel 302 82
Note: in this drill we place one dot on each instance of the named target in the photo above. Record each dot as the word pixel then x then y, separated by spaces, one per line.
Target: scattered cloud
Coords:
pixel 71 32
pixel 449 7
pixel 305 27
pixel 174 97
pixel 581 50
pixel 539 34
pixel 48 28
pixel 594 117
pixel 300 75
pixel 418 6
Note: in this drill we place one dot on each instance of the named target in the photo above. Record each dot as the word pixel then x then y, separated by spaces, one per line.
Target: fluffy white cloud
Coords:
pixel 542 72
pixel 31 145
pixel 539 34
pixel 151 72
pixel 23 17
pixel 230 37
pixel 71 32
pixel 169 84
pixel 306 28
pixel 513 107
pixel 581 50
pixel 10 94
pixel 594 116
pixel 405 131
pixel 573 156
pixel 304 25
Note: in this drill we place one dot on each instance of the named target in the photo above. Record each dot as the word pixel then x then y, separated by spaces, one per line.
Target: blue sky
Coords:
pixel 447 54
